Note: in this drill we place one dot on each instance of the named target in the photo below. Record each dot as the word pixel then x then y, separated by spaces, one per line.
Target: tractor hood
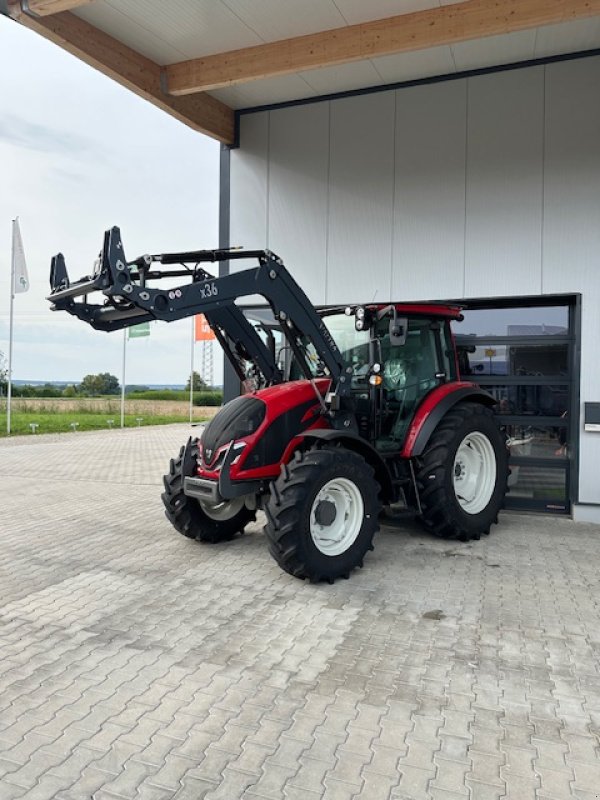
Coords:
pixel 267 421
pixel 238 418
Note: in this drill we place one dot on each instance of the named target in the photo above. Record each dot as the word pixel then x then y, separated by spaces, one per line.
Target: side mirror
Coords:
pixel 398 330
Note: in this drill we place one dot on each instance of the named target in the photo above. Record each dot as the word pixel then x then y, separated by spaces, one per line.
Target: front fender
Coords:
pixel 361 446
pixel 435 406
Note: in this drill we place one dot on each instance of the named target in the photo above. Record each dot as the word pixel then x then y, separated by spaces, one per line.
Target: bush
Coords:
pixel 205 398
pixel 208 398
pixel 36 391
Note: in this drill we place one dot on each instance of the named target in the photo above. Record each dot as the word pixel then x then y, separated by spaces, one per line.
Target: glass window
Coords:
pixel 543 401
pixel 530 360
pixel 353 344
pixel 518 322
pixel 409 373
pixel 532 441
pixel 537 486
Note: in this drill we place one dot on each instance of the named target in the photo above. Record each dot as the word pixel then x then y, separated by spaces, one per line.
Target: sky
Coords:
pixel 79 154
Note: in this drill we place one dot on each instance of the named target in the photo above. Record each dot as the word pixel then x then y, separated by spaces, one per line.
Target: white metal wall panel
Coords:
pixel 429 206
pixel 381 191
pixel 361 179
pixel 298 193
pixel 249 185
pixel 504 183
pixel 572 223
pixel 572 176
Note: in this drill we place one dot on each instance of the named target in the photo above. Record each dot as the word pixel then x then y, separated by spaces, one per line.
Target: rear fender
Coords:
pixel 363 448
pixel 435 406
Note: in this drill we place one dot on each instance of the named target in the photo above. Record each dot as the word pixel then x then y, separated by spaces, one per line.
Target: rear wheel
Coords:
pixel 462 474
pixel 199 519
pixel 322 514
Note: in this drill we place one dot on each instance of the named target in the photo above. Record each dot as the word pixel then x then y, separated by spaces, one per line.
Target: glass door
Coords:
pixel 524 356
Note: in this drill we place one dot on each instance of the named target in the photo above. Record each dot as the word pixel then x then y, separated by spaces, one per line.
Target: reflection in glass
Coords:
pixel 548 400
pixel 517 322
pixel 530 360
pixel 529 441
pixel 546 484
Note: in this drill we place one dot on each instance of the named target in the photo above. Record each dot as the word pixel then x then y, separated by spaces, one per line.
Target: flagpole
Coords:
pixel 17 266
pixel 10 334
pixel 192 371
pixel 123 378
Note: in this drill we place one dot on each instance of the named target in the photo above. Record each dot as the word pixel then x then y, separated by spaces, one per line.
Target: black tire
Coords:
pixel 187 515
pixel 444 511
pixel 292 504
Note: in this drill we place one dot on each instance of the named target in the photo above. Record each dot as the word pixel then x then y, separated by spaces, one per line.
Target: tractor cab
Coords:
pixel 394 355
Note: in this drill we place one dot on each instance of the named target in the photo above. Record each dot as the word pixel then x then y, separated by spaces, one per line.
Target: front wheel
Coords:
pixel 199 519
pixel 462 473
pixel 322 514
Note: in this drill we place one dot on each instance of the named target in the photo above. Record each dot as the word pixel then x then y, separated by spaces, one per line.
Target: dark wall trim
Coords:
pixel 535 62
pixel 520 301
pixel 231 384
pixel 224 204
pixel 574 423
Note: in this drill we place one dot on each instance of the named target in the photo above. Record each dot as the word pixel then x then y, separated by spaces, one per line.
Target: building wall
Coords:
pixel 475 187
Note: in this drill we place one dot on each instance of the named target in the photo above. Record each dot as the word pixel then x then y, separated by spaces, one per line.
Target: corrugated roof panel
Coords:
pixel 273 20
pixel 168 32
pixel 411 66
pixel 148 40
pixel 265 92
pixel 192 28
pixel 568 37
pixel 494 50
pixel 342 78
pixel 357 11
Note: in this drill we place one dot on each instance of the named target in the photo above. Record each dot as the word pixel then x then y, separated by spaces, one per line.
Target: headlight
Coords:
pixel 238 448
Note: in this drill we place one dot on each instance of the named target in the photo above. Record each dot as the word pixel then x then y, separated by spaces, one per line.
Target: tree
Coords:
pixel 103 383
pixel 198 382
pixel 3 373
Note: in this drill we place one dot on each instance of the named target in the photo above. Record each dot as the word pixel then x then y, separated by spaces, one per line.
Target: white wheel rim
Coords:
pixel 474 472
pixel 343 498
pixel 222 511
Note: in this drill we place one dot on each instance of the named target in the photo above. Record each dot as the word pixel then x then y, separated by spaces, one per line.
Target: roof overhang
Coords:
pixel 140 45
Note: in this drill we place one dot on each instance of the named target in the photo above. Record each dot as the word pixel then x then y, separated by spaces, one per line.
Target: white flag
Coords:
pixel 19 267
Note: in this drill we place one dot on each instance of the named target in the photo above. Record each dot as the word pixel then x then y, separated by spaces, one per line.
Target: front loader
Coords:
pixel 352 409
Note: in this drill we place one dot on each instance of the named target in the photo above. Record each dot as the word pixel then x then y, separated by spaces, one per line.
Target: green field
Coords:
pixel 58 415
pixel 62 423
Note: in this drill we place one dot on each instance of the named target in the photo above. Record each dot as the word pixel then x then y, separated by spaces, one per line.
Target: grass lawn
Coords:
pixel 55 422
pixel 57 415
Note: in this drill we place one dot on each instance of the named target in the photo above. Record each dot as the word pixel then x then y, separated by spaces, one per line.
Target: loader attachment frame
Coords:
pixel 130 298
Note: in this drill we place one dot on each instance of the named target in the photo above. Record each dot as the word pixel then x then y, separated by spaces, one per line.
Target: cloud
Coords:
pixel 80 153
pixel 28 135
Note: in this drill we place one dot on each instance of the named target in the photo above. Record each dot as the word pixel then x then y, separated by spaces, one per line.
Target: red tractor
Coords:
pixel 352 410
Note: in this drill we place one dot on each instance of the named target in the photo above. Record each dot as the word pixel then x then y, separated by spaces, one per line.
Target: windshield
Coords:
pixel 415 360
pixel 353 346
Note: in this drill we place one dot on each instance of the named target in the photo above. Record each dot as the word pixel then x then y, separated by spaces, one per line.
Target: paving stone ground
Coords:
pixel 135 663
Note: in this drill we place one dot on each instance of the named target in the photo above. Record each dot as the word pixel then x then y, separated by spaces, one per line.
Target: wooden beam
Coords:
pixel 445 25
pixel 43 7
pixel 126 66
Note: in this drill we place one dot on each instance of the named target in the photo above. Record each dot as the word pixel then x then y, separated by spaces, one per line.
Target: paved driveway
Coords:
pixel 137 664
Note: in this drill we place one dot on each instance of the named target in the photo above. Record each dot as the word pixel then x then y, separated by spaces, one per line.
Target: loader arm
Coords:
pixel 131 298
